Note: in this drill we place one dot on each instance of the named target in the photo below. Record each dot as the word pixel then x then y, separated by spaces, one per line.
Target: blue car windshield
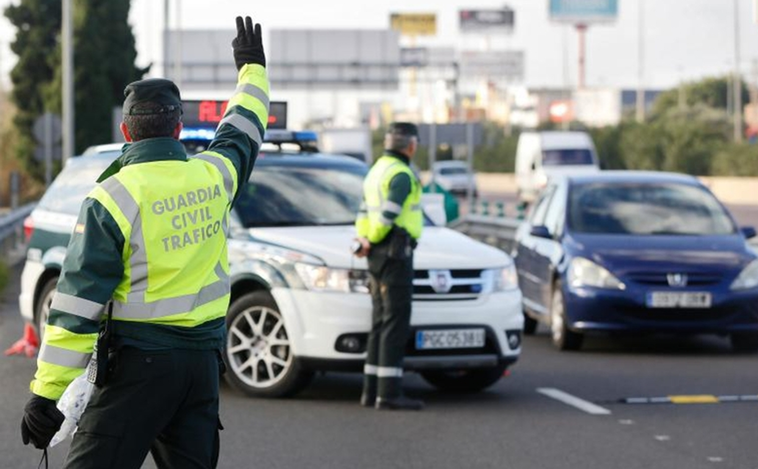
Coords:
pixel 646 209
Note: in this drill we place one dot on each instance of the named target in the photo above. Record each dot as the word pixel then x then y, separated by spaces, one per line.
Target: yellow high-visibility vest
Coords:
pixel 372 224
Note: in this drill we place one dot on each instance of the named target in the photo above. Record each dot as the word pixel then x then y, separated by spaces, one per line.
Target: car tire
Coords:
pixel 530 324
pixel 562 337
pixel 258 353
pixel 42 310
pixel 464 381
pixel 744 342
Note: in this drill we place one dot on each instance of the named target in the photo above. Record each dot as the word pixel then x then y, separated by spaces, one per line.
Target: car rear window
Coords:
pixel 452 171
pixel 72 185
pixel 566 157
pixel 646 209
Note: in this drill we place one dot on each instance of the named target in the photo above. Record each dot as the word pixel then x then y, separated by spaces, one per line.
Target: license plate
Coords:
pixel 678 300
pixel 450 338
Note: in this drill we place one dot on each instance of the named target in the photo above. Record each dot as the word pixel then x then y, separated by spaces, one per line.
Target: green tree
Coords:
pixel 736 160
pixel 38 24
pixel 104 55
pixel 711 92
pixel 102 68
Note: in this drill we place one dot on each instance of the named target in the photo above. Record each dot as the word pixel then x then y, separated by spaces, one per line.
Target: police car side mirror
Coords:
pixel 748 232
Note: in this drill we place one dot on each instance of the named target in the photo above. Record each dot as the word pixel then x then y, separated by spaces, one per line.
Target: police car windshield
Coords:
pixel 72 185
pixel 307 195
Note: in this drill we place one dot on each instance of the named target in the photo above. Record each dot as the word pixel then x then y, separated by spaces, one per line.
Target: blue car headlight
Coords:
pixel 585 273
pixel 748 278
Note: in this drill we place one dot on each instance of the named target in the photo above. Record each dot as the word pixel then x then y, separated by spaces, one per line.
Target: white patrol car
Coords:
pixel 300 301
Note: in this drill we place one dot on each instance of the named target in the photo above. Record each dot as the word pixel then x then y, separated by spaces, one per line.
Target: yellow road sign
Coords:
pixel 414 24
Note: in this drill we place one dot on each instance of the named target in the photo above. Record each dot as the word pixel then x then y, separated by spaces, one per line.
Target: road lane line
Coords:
pixel 573 401
pixel 696 399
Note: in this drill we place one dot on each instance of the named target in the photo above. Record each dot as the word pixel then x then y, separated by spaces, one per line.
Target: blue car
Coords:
pixel 629 251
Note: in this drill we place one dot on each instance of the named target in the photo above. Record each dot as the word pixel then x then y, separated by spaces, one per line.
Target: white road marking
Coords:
pixel 716 459
pixel 573 401
pixel 626 422
pixel 662 437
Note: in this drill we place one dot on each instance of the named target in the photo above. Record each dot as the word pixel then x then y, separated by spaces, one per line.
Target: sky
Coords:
pixel 682 39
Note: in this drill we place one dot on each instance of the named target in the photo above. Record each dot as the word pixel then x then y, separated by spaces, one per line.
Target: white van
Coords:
pixel 542 155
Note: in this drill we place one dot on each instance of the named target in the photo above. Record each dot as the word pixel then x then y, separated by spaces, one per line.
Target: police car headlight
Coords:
pixel 324 279
pixel 501 280
pixel 748 278
pixel 585 273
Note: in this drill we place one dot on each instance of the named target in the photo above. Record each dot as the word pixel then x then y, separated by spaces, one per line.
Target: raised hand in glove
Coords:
pixel 248 45
pixel 41 422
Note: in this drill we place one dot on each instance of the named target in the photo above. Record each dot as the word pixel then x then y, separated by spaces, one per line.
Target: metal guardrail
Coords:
pixel 12 229
pixel 498 232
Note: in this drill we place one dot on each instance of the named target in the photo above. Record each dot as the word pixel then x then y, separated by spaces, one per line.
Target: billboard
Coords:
pixel 492 64
pixel 486 21
pixel 334 59
pixel 583 11
pixel 414 24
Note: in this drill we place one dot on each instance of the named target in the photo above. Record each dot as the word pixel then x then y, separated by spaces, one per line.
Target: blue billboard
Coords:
pixel 583 11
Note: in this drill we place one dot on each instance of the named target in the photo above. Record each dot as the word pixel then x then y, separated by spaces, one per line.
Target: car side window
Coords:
pixel 556 210
pixel 538 214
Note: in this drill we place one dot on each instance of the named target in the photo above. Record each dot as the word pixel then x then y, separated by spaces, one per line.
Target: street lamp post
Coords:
pixel 737 86
pixel 67 46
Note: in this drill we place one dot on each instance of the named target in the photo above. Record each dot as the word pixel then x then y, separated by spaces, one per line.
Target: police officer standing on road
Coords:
pixel 150 243
pixel 388 226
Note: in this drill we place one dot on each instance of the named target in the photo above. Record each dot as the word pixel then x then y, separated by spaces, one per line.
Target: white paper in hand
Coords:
pixel 72 403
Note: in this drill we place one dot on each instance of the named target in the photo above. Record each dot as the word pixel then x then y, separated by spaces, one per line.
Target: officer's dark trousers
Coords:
pixel 165 402
pixel 391 283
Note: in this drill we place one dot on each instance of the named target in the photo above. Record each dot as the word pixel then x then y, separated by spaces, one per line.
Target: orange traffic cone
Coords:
pixel 28 344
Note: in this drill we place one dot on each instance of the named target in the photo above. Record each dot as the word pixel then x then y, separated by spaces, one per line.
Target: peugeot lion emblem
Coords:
pixel 677 280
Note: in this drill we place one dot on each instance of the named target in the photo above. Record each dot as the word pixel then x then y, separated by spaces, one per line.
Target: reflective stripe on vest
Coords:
pixel 77 306
pixel 176 305
pixel 138 258
pixel 186 218
pixel 241 123
pixel 219 162
pixel 375 191
pixel 63 357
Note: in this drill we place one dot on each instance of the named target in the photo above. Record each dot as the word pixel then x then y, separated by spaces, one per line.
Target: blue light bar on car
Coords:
pixel 197 133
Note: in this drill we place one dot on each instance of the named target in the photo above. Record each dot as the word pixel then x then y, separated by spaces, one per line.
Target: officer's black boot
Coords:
pixel 399 403
pixel 368 397
pixel 391 396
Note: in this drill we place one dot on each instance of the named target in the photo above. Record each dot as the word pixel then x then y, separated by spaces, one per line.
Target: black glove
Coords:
pixel 41 422
pixel 248 45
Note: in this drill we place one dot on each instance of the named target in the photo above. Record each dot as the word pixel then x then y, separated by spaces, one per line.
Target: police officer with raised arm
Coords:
pixel 147 268
pixel 388 226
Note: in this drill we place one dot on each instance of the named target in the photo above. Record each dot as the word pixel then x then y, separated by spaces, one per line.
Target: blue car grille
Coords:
pixel 660 278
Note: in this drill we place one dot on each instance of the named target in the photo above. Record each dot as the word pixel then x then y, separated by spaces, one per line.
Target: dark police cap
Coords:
pixel 403 128
pixel 161 93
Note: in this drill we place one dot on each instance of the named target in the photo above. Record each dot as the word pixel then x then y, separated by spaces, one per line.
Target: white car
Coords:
pixel 300 301
pixel 454 177
pixel 541 156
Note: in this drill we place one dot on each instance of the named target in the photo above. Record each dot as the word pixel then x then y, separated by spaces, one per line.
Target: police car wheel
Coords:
pixel 258 354
pixel 44 301
pixel 464 381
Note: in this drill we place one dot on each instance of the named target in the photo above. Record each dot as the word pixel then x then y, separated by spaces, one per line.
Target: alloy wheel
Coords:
pixel 258 348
